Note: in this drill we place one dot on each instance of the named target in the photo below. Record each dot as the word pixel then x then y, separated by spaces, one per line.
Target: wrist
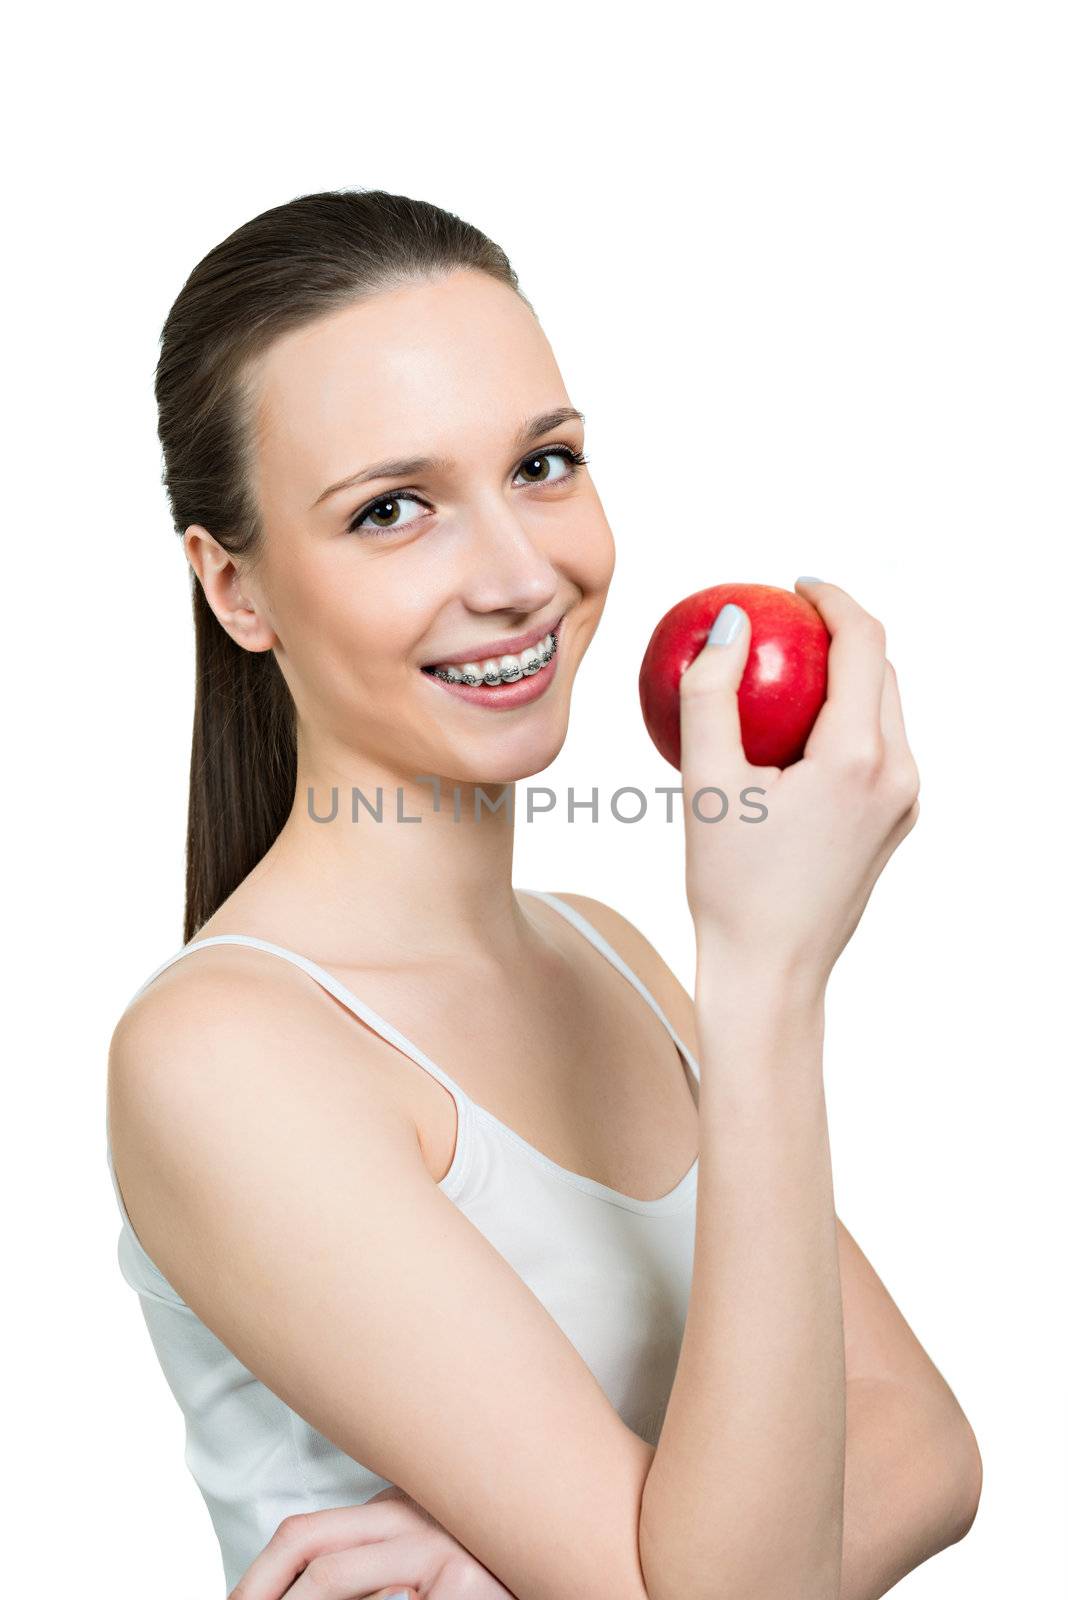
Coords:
pixel 760 1026
pixel 759 975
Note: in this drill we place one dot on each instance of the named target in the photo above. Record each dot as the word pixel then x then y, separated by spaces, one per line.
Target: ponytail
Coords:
pixel 243 767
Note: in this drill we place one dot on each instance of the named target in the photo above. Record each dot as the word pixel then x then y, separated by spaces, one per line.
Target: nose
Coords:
pixel 504 568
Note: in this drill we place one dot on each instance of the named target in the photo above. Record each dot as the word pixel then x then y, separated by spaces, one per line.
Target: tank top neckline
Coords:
pixel 466 1108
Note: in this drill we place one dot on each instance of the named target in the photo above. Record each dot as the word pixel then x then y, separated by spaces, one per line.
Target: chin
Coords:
pixel 501 759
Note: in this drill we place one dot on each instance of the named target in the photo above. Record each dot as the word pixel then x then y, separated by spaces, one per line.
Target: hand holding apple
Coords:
pixel 783 893
pixel 785 679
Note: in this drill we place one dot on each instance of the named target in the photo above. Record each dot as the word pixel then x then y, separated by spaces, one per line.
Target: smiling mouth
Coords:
pixel 496 671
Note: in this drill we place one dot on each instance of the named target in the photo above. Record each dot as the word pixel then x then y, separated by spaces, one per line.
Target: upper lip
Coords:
pixel 497 647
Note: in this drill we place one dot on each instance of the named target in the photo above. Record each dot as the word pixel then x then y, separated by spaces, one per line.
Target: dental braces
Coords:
pixel 513 675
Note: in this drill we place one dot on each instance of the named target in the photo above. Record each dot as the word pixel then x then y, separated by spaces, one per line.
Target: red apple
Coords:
pixel 784 682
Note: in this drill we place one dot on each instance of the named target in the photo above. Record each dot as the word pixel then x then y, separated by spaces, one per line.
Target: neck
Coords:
pixel 386 871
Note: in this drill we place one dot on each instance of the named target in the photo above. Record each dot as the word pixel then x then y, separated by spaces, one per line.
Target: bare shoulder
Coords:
pixel 231 992
pixel 642 956
pixel 231 1021
pixel 215 1003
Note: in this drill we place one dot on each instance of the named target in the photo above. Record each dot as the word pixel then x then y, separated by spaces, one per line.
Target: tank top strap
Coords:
pixel 332 985
pixel 597 938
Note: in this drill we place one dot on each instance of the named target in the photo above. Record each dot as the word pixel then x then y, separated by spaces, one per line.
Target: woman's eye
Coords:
pixel 566 458
pixel 385 507
pixel 382 515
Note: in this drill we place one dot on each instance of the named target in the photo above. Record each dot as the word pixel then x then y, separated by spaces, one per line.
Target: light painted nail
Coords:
pixel 726 626
pixel 808 579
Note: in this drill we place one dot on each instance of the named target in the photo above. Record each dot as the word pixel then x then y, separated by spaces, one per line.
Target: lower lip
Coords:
pixel 508 695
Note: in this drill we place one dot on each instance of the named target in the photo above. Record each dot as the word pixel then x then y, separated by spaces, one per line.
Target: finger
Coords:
pixel 849 718
pixel 892 718
pixel 709 724
pixel 301 1538
pixel 384 1567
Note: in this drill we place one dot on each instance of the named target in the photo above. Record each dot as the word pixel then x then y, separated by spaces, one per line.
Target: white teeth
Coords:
pixel 504 669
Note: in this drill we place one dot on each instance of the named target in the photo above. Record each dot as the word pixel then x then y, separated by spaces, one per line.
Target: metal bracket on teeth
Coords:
pixel 513 677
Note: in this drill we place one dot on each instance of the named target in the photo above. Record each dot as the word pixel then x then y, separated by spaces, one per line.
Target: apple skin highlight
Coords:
pixel 784 683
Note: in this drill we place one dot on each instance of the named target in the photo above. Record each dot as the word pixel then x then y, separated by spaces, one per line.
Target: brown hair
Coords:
pixel 289 265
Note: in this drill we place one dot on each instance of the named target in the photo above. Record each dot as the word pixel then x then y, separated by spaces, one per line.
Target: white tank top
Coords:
pixel 614 1272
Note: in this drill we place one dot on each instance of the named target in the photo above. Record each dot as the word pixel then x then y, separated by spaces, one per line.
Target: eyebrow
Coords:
pixel 407 466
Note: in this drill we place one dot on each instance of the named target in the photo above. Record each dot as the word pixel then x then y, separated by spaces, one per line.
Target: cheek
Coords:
pixel 365 634
pixel 593 557
pixel 333 632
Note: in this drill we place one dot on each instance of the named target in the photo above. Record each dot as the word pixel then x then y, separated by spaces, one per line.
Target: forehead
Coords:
pixel 412 370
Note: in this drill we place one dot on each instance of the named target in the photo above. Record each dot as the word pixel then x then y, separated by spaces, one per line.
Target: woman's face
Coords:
pixel 361 587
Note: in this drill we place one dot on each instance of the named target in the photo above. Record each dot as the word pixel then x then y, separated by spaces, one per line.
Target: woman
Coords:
pixel 456 1267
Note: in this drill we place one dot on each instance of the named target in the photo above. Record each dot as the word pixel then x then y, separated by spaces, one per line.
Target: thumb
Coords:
pixel 709 725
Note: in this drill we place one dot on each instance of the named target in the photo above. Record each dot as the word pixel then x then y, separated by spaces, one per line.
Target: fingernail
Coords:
pixel 725 628
pixel 396 1594
pixel 808 579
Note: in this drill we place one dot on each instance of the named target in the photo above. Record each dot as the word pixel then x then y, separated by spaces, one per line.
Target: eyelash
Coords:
pixel 574 457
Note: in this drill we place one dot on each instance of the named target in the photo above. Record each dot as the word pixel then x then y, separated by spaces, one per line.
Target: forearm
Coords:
pixel 744 1497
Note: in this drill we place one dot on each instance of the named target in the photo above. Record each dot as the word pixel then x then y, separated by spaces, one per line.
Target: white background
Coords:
pixel 804 268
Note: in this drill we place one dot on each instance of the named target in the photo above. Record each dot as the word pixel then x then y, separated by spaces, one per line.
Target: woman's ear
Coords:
pixel 221 582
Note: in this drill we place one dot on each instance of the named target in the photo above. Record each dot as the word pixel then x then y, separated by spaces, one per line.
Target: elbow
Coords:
pixel 967 1482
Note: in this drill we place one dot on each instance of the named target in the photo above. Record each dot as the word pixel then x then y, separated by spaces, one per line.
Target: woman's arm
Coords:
pixel 745 1494
pixel 909 1493
pixel 886 1473
pixel 913 1472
